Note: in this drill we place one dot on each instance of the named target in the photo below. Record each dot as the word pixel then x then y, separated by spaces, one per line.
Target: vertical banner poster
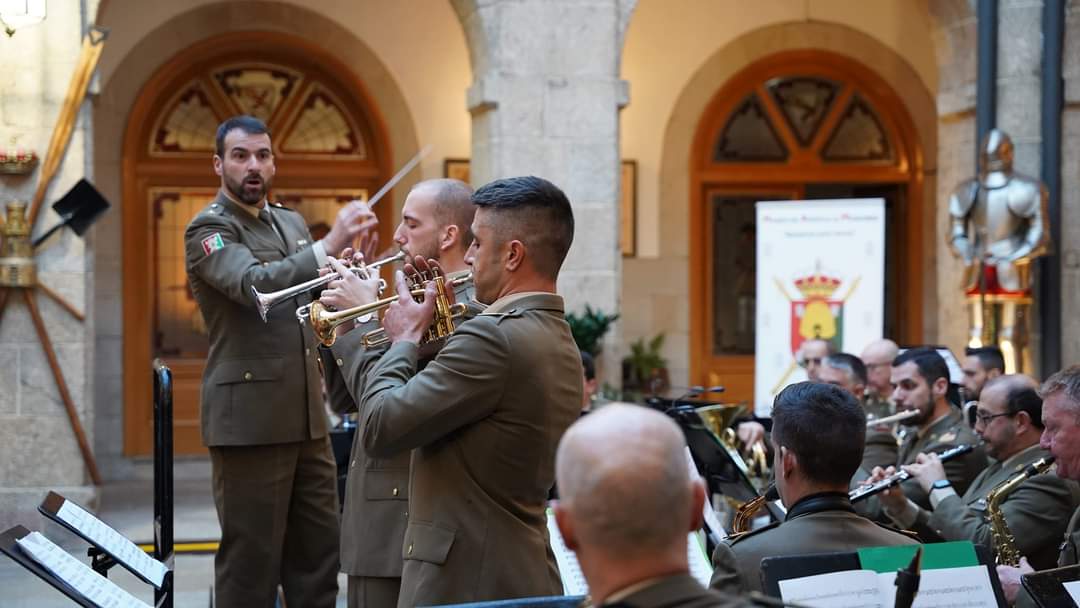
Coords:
pixel 820 274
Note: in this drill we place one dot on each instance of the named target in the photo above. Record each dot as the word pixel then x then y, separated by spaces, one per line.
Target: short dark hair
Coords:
pixel 930 363
pixel 534 211
pixel 989 357
pixel 588 365
pixel 849 363
pixel 826 428
pixel 1025 399
pixel 247 124
pixel 453 205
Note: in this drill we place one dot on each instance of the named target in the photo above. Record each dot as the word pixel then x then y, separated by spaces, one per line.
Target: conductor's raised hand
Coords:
pixel 407 320
pixel 355 219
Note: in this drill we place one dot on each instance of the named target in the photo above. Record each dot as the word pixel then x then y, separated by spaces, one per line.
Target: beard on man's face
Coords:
pixel 250 191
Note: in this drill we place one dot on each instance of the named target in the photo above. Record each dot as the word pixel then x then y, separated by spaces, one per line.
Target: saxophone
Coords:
pixel 1002 537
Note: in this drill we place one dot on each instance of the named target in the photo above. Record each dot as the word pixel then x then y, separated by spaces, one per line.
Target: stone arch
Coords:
pixel 692 102
pixel 111 114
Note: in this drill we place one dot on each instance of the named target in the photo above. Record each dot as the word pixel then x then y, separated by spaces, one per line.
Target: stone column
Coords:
pixel 544 101
pixel 1069 247
pixel 38 450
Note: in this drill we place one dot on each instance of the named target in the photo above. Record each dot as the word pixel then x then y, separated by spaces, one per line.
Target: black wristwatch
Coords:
pixel 941 484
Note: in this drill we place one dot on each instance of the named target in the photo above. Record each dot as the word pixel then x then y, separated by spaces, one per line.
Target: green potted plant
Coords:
pixel 645 369
pixel 589 328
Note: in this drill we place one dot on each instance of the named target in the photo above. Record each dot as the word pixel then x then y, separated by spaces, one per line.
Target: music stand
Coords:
pixel 1047 587
pixel 9 546
pixel 782 568
pixel 50 508
pixel 78 209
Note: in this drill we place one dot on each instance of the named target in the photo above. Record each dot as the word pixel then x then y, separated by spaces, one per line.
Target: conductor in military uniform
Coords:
pixel 920 379
pixel 262 413
pixel 484 417
pixel 435 224
pixel 1008 419
pixel 817 438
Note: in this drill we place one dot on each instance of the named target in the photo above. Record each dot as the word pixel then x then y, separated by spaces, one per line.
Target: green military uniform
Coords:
pixel 262 410
pixel 678 591
pixel 483 420
pixel 376 506
pixel 820 523
pixel 947 432
pixel 1069 555
pixel 882 446
pixel 1036 511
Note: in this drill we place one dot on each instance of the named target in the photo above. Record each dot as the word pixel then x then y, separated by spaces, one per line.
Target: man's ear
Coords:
pixel 994 373
pixel 788 461
pixel 218 165
pixel 515 255
pixel 941 387
pixel 449 239
pixel 697 504
pixel 566 527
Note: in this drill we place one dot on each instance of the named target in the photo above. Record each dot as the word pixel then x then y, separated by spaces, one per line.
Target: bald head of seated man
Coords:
pixel 627 501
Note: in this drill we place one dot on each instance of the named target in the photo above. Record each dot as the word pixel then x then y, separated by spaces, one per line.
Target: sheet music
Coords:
pixel 1073 589
pixel 711 520
pixel 573 578
pixel 94 587
pixel 966 587
pixel 114 543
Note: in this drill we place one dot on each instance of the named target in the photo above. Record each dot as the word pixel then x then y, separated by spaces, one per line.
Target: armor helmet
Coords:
pixel 996 153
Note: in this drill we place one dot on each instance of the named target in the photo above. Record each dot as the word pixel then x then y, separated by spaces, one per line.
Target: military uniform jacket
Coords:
pixel 483 420
pixel 1036 512
pixel 377 489
pixel 261 385
pixel 679 591
pixel 820 523
pixel 948 432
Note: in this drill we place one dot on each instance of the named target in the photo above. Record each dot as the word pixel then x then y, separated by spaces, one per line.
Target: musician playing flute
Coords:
pixel 1008 419
pixel 263 418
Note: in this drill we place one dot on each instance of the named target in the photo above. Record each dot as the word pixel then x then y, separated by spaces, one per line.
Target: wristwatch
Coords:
pixel 941 484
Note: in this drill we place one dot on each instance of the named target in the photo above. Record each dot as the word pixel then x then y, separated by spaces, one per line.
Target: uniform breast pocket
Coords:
pixel 248 380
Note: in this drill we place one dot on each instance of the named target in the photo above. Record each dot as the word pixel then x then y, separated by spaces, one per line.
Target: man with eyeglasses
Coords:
pixel 811 354
pixel 1008 419
pixel 878 357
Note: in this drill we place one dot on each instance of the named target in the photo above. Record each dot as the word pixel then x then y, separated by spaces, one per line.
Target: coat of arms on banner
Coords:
pixel 818 314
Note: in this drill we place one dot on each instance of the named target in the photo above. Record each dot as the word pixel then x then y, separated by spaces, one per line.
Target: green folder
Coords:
pixel 956 554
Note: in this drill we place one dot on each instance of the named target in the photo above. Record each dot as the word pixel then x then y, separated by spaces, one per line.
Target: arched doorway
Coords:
pixel 329 145
pixel 802 124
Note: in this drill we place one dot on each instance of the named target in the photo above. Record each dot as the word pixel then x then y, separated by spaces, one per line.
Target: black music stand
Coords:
pixel 103 559
pixel 9 546
pixel 1047 587
pixel 776 569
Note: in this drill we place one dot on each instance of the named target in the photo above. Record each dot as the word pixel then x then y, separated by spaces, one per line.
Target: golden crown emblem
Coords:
pixel 817 286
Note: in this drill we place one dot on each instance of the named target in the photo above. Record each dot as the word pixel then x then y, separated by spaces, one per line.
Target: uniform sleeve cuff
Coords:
pixel 320 254
pixel 940 494
pixel 906 517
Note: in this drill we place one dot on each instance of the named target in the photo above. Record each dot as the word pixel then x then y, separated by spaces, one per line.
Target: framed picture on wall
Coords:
pixel 456 168
pixel 628 208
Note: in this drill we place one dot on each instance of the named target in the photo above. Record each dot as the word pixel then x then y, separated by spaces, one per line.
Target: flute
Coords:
pixel 897 417
pixel 863 492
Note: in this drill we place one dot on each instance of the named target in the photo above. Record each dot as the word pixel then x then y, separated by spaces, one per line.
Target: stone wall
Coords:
pixel 1069 247
pixel 38 450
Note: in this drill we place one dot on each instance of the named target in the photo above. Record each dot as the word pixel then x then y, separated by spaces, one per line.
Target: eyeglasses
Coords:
pixel 804 363
pixel 870 366
pixel 986 418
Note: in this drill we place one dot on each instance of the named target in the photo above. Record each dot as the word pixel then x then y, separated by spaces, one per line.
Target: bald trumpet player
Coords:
pixel 435 225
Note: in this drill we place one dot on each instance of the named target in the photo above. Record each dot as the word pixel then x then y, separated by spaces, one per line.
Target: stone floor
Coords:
pixel 129 507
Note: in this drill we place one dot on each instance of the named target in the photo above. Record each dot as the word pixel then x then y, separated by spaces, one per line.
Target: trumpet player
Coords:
pixel 262 412
pixel 483 418
pixel 435 224
pixel 1008 419
pixel 1061 437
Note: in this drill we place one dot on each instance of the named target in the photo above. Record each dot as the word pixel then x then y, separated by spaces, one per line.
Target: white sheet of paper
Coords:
pixel 1073 589
pixel 94 587
pixel 711 519
pixel 846 589
pixel 573 578
pixel 967 587
pixel 114 543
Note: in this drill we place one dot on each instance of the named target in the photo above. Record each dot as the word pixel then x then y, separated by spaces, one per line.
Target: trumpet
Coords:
pixel 266 301
pixel 899 477
pixel 324 322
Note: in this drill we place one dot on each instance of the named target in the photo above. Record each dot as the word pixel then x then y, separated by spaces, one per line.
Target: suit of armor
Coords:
pixel 998 228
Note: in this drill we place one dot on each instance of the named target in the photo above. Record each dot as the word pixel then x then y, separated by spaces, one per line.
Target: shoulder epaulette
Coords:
pixel 283 207
pixel 734 538
pixel 501 316
pixel 908 533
